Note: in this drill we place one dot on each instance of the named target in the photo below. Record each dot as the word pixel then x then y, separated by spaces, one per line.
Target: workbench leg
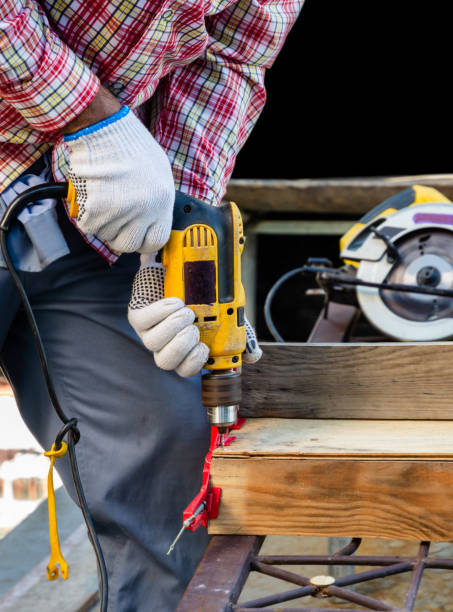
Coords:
pixel 221 574
pixel 339 571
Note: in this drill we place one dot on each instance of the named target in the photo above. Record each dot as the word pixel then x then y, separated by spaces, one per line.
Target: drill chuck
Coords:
pixel 221 394
pixel 222 417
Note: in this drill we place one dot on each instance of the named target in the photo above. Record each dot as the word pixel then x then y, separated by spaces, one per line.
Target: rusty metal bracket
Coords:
pixel 224 570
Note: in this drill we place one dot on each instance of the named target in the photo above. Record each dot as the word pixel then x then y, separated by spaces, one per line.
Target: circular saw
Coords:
pixel 399 257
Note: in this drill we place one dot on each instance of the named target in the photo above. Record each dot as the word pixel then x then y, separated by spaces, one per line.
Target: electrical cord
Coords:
pixel 269 298
pixel 53 190
pixel 336 276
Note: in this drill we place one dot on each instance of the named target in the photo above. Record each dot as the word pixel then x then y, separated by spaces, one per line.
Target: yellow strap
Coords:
pixel 72 201
pixel 55 553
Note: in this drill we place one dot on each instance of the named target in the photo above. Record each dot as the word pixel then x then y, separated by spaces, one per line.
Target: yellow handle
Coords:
pixel 56 557
pixel 71 199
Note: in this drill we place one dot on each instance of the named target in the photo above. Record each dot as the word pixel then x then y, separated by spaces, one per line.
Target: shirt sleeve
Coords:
pixel 39 75
pixel 202 113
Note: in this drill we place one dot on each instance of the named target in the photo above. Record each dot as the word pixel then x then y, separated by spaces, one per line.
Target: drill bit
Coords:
pixel 222 440
pixel 186 524
pixel 180 532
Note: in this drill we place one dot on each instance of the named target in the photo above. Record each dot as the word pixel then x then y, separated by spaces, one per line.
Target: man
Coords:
pixel 132 99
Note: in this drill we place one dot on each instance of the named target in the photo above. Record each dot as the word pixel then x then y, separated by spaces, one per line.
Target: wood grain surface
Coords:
pixel 353 196
pixel 390 479
pixel 404 500
pixel 291 439
pixel 351 381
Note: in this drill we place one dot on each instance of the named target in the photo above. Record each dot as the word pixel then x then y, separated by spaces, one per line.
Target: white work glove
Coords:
pixel 123 181
pixel 252 352
pixel 165 325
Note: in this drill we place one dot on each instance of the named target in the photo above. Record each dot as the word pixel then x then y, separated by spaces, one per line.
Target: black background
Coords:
pixel 359 89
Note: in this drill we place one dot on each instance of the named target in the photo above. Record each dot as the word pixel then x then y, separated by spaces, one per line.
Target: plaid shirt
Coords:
pixel 203 63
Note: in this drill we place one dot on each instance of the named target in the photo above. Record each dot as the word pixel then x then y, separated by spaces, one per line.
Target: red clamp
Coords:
pixel 206 504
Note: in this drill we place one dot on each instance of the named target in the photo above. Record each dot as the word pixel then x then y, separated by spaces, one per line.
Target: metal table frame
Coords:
pixel 228 561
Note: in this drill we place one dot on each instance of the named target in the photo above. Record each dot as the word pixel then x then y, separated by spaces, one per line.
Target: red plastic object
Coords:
pixel 240 422
pixel 208 494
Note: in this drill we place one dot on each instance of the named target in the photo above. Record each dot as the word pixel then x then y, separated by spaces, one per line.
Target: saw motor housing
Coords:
pixel 408 240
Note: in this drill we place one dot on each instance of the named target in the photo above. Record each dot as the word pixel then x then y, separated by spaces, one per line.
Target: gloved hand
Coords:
pixel 165 325
pixel 252 352
pixel 124 184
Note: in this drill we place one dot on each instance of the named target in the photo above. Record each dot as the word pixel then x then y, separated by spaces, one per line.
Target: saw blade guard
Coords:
pixel 352 241
pixel 423 237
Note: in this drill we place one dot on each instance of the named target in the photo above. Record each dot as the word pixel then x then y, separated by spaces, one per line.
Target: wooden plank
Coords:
pixel 291 227
pixel 325 478
pixel 293 439
pixel 221 574
pixel 352 196
pixel 404 500
pixel 333 328
pixel 351 381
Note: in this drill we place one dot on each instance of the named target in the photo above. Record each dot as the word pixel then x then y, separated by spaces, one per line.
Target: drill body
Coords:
pixel 202 261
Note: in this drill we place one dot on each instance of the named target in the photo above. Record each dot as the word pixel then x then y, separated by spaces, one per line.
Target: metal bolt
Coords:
pixel 322 581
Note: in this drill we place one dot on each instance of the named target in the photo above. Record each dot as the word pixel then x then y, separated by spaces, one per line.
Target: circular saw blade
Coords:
pixel 426 261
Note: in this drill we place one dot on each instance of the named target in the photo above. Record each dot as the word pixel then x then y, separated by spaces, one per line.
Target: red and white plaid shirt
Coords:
pixel 202 62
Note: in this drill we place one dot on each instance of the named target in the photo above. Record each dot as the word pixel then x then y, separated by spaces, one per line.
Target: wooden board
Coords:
pixel 383 499
pixel 351 381
pixel 352 196
pixel 343 439
pixel 320 478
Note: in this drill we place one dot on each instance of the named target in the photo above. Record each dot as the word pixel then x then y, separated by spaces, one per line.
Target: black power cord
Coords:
pixel 333 276
pixel 54 191
pixel 269 298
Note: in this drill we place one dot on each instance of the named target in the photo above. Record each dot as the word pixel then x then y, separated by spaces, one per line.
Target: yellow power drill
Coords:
pixel 202 261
